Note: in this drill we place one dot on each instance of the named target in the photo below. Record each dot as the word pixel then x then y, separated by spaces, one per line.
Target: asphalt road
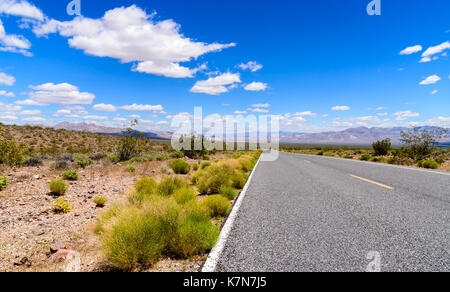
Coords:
pixel 312 213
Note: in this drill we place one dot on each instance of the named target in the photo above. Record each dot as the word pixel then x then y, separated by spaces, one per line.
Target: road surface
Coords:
pixel 312 213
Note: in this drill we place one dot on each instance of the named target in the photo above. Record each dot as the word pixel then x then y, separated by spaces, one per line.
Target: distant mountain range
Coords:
pixel 353 136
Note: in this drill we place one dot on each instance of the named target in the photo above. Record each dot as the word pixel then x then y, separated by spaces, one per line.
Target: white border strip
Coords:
pixel 372 163
pixel 211 263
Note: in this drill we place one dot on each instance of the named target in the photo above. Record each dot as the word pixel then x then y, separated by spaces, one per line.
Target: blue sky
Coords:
pixel 320 65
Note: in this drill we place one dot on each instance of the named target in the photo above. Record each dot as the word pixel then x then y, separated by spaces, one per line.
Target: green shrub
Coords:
pixel 70 175
pixel 181 166
pixel 146 185
pixel 177 154
pixel 100 201
pixel 320 153
pixel 382 147
pixel 206 157
pixel 113 158
pixel 170 184
pixel 184 195
pixel 392 160
pixel 130 168
pixel 365 157
pixel 205 165
pixel 217 206
pixel 239 180
pixel 428 164
pixel 212 179
pixel 196 167
pixel 61 206
pixel 84 162
pixel 348 157
pixel 246 163
pixel 3 182
pixel 228 192
pixel 58 187
pixel 133 239
pixel 10 153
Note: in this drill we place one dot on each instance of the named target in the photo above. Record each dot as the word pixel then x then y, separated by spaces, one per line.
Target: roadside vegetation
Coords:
pixel 419 147
pixel 179 217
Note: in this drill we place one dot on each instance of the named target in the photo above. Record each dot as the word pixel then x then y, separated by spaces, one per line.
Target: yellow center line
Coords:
pixel 372 182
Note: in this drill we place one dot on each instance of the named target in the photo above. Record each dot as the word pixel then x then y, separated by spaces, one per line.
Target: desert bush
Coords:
pixel 212 179
pixel 83 161
pixel 196 167
pixel 177 154
pixel 97 156
pixel 10 153
pixel 365 157
pixel 3 182
pixel 428 164
pixel 133 239
pixel 180 166
pixel 348 156
pixel 130 168
pixel 170 184
pixel 58 187
pixel 184 195
pixel 320 153
pixel 146 185
pixel 238 180
pixel 70 175
pixel 205 165
pixel 228 192
pixel 33 161
pixel 206 157
pixel 100 201
pixel 113 158
pixel 382 147
pixel 392 160
pixel 217 206
pixel 61 206
pixel 60 164
pixel 419 144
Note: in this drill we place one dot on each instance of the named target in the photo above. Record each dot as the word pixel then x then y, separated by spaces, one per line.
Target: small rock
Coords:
pixel 37 176
pixel 56 246
pixel 38 231
pixel 23 261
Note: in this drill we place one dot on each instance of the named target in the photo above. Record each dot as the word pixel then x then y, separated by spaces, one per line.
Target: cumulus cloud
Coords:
pixel 70 112
pixel 143 108
pixel 21 8
pixel 105 107
pixel 131 35
pixel 6 79
pixel 404 115
pixel 95 118
pixel 261 105
pixel 34 119
pixel 305 114
pixel 13 43
pixel 240 112
pixel 341 108
pixel 217 85
pixel 10 107
pixel 434 92
pixel 256 86
pixel 411 50
pixel 63 93
pixel 30 113
pixel 252 66
pixel 430 80
pixel 6 93
pixel 258 110
pixel 436 49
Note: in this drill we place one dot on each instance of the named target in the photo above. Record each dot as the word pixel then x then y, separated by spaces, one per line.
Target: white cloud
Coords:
pixel 256 86
pixel 34 119
pixel 434 92
pixel 6 79
pixel 10 107
pixel 6 93
pixel 63 93
pixel 252 66
pixel 437 49
pixel 131 35
pixel 71 112
pixel 21 8
pixel 383 114
pixel 264 105
pixel 29 102
pixel 404 115
pixel 217 85
pixel 135 116
pixel 13 43
pixel 341 108
pixel 439 122
pixel 306 114
pixel 105 107
pixel 430 80
pixel 240 112
pixel 411 50
pixel 380 108
pixel 96 118
pixel 143 107
pixel 30 112
pixel 258 110
pixel 8 117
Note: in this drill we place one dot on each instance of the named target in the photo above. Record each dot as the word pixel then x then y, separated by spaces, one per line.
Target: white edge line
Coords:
pixel 372 163
pixel 213 258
